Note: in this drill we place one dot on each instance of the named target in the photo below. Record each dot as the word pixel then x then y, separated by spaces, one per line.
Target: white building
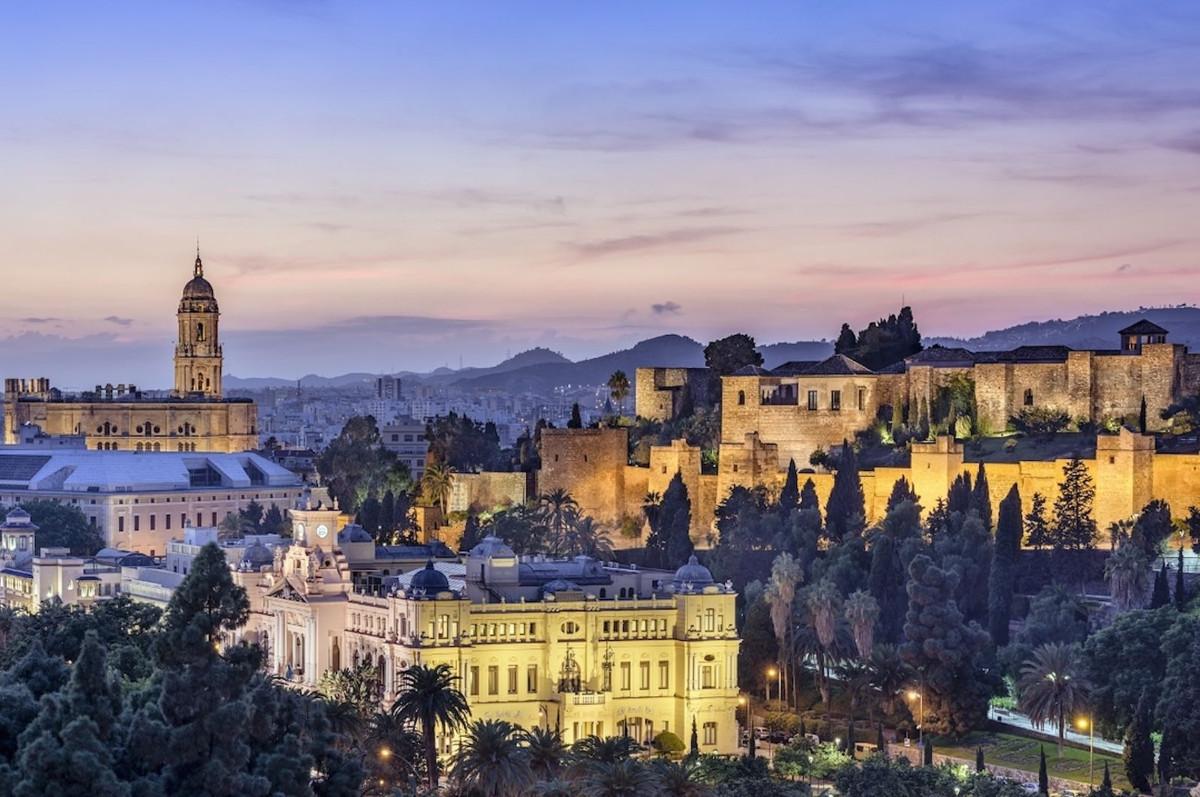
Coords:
pixel 139 501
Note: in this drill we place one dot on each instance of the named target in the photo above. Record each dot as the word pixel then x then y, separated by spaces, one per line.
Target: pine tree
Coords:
pixel 1106 787
pixel 1074 527
pixel 846 342
pixel 981 498
pixel 1002 579
pixel 789 496
pixel 1139 747
pixel 938 521
pixel 576 421
pixel 1180 596
pixel 1161 595
pixel 947 651
pixel 845 509
pixel 1043 775
pixel 387 513
pixel 1037 528
pixel 67 749
pixel 202 712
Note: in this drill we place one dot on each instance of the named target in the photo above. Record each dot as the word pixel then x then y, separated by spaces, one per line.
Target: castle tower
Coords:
pixel 198 349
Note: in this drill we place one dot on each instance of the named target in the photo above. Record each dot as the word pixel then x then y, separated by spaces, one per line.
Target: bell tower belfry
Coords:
pixel 198 360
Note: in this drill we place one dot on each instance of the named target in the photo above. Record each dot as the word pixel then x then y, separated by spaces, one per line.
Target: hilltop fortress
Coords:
pixel 769 417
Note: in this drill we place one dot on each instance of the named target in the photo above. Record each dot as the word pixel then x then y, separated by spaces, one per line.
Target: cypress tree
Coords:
pixel 1180 596
pixel 694 747
pixel 576 421
pixel 1139 747
pixel 387 512
pixel 789 496
pixel 845 509
pixel 1002 579
pixel 880 742
pixel 1106 787
pixel 1142 416
pixel 981 498
pixel 808 497
pixel 979 765
pixel 958 499
pixel 902 491
pixel 1043 775
pixel 1162 592
pixel 927 753
pixel 670 545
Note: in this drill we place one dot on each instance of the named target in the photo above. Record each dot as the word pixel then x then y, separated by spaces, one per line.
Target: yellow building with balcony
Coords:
pixel 586 646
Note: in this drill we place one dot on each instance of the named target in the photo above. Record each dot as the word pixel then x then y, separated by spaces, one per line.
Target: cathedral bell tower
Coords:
pixel 198 349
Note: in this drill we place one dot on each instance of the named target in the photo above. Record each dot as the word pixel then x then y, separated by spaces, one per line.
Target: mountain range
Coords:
pixel 540 370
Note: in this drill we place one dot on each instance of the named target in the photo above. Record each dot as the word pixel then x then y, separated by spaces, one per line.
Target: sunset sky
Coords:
pixel 400 185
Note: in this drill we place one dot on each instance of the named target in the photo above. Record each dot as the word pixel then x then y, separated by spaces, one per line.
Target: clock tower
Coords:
pixel 198 359
pixel 316 525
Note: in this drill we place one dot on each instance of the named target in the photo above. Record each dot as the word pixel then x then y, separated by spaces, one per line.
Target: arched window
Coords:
pixel 199 331
pixel 741 397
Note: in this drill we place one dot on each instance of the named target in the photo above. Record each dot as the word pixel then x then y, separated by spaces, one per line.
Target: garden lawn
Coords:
pixel 1021 752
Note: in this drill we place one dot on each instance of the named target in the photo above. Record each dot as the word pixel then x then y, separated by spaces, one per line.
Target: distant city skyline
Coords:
pixel 388 188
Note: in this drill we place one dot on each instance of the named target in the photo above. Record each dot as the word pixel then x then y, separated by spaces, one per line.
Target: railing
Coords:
pixel 588 698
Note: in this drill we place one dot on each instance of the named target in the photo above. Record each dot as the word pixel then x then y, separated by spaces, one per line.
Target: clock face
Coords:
pixel 322 531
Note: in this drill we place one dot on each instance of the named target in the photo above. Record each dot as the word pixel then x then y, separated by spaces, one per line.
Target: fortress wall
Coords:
pixel 1118 388
pixel 589 464
pixel 1081 366
pixel 649 399
pixel 1176 479
pixel 479 492
pixel 993 390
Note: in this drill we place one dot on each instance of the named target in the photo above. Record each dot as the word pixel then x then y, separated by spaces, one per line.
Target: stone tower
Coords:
pixel 198 349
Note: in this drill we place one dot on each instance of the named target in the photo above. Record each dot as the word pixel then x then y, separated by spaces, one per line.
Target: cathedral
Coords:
pixel 194 416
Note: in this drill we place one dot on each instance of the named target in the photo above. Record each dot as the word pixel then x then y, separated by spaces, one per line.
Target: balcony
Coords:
pixel 588 699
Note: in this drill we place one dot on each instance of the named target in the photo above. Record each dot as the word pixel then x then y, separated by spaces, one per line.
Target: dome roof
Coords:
pixel 198 287
pixel 492 547
pixel 354 533
pixel 431 580
pixel 693 573
pixel 17 517
pixel 258 555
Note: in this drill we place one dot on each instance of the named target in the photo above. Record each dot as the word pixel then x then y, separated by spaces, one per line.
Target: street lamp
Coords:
pixel 773 672
pixel 1085 723
pixel 744 700
pixel 919 696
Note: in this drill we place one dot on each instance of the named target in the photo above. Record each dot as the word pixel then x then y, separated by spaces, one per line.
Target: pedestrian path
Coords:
pixel 1016 719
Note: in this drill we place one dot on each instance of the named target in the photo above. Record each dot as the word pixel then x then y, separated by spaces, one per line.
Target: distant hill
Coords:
pixel 1085 332
pixel 673 350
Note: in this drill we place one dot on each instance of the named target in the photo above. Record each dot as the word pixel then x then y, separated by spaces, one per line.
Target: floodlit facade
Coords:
pixel 585 646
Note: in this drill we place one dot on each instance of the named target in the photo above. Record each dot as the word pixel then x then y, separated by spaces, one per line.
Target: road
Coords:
pixel 1018 720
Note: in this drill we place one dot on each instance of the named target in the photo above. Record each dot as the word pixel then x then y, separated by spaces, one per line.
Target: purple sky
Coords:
pixel 398 186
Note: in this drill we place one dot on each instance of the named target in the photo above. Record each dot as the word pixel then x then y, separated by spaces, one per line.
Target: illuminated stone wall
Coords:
pixel 589 464
pixel 658 392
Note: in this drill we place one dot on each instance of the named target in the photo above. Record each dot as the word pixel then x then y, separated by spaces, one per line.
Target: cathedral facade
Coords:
pixel 193 416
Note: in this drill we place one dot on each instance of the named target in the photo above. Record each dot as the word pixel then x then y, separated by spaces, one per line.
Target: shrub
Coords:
pixel 667 743
pixel 1041 421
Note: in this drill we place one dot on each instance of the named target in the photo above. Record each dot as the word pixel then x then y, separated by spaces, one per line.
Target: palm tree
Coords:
pixel 603 749
pixel 436 484
pixel 1128 576
pixel 546 751
pixel 554 788
pixel 651 507
pixel 1052 686
pixel 429 698
pixel 556 508
pixel 584 536
pixel 492 761
pixel 618 388
pixel 862 611
pixel 780 594
pixel 889 676
pixel 824 609
pixel 625 778
pixel 394 754
pixel 856 679
pixel 679 779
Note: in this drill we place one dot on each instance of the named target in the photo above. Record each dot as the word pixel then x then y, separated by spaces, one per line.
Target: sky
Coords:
pixel 400 186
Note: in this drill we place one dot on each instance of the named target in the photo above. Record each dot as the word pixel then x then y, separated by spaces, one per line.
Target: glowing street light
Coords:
pixel 1085 724
pixel 773 672
pixel 919 696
